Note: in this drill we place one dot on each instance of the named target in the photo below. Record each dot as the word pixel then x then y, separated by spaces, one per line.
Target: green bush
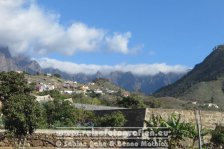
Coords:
pixel 57 75
pixel 59 113
pixel 218 136
pixel 115 119
pixel 131 102
pixel 80 98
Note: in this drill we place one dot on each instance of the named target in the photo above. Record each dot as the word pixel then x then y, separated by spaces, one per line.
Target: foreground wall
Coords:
pixel 136 117
pixel 46 140
pixel 209 119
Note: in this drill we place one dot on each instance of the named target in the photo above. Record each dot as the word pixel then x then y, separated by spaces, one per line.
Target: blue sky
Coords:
pixel 114 32
pixel 173 31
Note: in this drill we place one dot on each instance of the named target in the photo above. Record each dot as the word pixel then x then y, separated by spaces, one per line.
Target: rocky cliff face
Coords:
pixel 28 65
pixel 6 61
pixel 9 63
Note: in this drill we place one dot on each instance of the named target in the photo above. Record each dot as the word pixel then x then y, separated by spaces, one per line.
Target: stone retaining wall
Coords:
pixel 36 140
pixel 135 117
pixel 209 119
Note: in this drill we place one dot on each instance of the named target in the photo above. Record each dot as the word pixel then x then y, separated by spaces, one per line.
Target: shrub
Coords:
pixel 116 119
pixel 218 136
pixel 131 102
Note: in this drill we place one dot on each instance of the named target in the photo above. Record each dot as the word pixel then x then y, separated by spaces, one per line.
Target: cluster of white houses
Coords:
pixel 70 87
pixel 41 87
pixel 208 105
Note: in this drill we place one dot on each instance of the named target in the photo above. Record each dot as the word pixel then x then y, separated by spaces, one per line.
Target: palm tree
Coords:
pixel 178 130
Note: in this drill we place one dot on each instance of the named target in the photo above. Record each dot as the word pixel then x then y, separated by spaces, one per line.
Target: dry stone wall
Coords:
pixel 135 118
pixel 36 140
pixel 209 119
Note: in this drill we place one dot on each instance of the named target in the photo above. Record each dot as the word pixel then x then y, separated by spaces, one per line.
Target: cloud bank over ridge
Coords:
pixel 137 69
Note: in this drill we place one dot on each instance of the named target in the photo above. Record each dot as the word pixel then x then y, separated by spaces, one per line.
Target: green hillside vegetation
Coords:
pixel 172 103
pixel 111 96
pixel 22 114
pixel 108 99
pixel 58 82
pixel 203 84
pixel 210 92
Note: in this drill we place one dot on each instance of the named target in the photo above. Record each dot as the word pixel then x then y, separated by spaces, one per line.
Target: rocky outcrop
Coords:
pixel 22 63
pixel 6 61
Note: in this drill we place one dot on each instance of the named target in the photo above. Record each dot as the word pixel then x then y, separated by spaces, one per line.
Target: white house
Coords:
pixel 69 99
pixel 194 102
pixel 44 87
pixel 50 87
pixel 213 105
pixel 67 92
pixel 125 94
pixel 18 71
pixel 98 91
pixel 44 99
pixel 210 105
pixel 49 74
pixel 109 91
pixel 91 83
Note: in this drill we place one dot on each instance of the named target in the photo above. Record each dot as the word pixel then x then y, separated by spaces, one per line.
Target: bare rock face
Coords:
pixel 9 63
pixel 26 64
pixel 6 61
pixel 5 51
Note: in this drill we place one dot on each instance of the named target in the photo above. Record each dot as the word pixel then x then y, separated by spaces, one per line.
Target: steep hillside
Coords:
pixel 203 83
pixel 210 91
pixel 6 61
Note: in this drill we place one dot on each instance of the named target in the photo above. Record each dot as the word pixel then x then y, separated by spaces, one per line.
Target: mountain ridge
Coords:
pixel 127 80
pixel 204 83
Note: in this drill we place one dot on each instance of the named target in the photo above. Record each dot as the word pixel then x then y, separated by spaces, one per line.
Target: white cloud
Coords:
pixel 27 28
pixel 119 42
pixel 138 69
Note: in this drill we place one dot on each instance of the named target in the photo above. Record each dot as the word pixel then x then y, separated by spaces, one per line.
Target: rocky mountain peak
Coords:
pixel 5 51
pixel 22 63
